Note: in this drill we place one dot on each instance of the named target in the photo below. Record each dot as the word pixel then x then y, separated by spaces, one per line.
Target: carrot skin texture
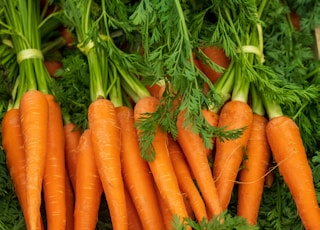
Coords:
pixel 72 136
pixel 54 174
pixel 106 142
pixel 136 172
pixel 12 143
pixel 196 155
pixel 288 151
pixel 185 180
pixel 89 187
pixel 69 203
pixel 134 222
pixel 161 167
pixel 34 116
pixel 252 175
pixel 229 153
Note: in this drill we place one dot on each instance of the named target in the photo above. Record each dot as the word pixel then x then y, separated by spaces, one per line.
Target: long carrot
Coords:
pixel 70 199
pixel 229 153
pixel 161 167
pixel 212 118
pixel 196 155
pixel 105 135
pixel 134 222
pixel 72 136
pixel 288 151
pixel 34 116
pixel 89 188
pixel 136 172
pixel 185 180
pixel 12 143
pixel 54 174
pixel 251 177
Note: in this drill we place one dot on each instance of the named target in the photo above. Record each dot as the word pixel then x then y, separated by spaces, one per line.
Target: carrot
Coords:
pixel 89 188
pixel 54 173
pixel 212 118
pixel 136 173
pixel 234 114
pixel 289 153
pixel 218 56
pixel 251 177
pixel 69 203
pixel 156 90
pixel 105 135
pixel 134 222
pixel 53 66
pixel 165 211
pixel 34 116
pixel 72 135
pixel 12 143
pixel 196 155
pixel 185 180
pixel 161 167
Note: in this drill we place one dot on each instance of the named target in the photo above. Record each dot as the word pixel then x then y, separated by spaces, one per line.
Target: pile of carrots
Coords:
pixel 68 170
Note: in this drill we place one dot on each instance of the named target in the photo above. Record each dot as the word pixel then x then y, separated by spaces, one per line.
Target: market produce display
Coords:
pixel 159 114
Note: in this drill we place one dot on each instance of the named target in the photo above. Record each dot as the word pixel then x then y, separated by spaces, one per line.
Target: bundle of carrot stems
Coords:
pixel 176 129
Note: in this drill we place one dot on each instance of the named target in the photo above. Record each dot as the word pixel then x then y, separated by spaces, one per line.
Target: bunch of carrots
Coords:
pixel 68 169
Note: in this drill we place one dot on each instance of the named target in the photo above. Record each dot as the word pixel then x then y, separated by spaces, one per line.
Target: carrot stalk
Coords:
pixel 89 188
pixel 185 180
pixel 136 173
pixel 106 142
pixel 161 167
pixel 54 174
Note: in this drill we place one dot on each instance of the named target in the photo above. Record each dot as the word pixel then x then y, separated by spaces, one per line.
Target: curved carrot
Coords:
pixel 72 135
pixel 136 172
pixel 255 166
pixel 54 174
pixel 161 167
pixel 89 188
pixel 196 155
pixel 229 153
pixel 34 116
pixel 12 143
pixel 105 135
pixel 185 180
pixel 288 151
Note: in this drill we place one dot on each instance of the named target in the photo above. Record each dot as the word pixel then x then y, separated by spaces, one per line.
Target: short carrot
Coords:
pixel 234 114
pixel 251 176
pixel 106 143
pixel 72 135
pixel 54 174
pixel 12 143
pixel 136 172
pixel 196 155
pixel 34 116
pixel 289 153
pixel 185 180
pixel 89 188
pixel 161 167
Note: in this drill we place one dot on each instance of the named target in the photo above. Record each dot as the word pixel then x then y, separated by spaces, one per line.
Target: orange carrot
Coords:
pixel 165 211
pixel 212 118
pixel 72 135
pixel 290 155
pixel 89 188
pixel 161 167
pixel 136 172
pixel 185 180
pixel 252 175
pixel 218 56
pixel 54 173
pixel 134 222
pixel 105 135
pixel 34 116
pixel 229 153
pixel 69 203
pixel 196 155
pixel 156 90
pixel 12 143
